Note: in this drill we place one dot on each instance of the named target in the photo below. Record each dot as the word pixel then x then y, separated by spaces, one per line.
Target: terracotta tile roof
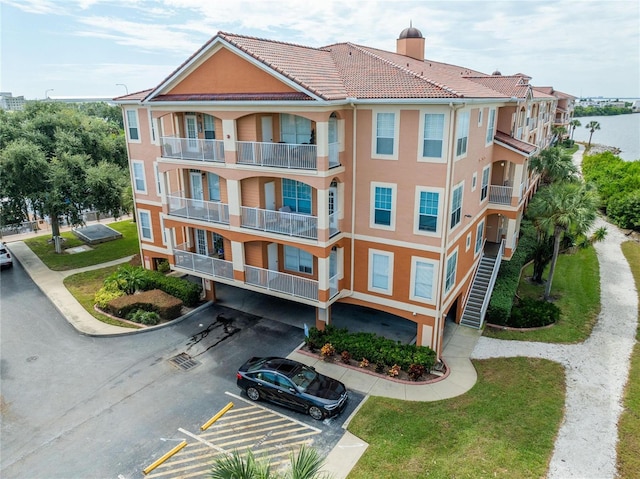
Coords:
pixel 344 70
pixel 278 96
pixel 139 95
pixel 555 93
pixel 522 146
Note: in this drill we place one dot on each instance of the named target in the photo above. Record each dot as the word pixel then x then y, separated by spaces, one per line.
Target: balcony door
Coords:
pixel 333 218
pixel 191 128
pixel 201 242
pixel 197 193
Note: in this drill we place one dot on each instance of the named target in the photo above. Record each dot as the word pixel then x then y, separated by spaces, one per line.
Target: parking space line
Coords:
pixel 271 411
pixel 207 443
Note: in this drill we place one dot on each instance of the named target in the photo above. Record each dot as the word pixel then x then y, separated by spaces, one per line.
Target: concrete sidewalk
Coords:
pixel 458 346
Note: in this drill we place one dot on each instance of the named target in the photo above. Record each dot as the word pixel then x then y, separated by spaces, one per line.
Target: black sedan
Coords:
pixel 293 385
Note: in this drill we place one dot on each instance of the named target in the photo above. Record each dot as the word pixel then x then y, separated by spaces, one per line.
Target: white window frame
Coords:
pixel 467 243
pixel 484 187
pixel 141 227
pixel 423 137
pixel 165 241
pixel 374 135
pixel 416 225
pixel 491 127
pixel 480 115
pixel 290 251
pixel 459 186
pixel 479 237
pixel 372 254
pixel 431 298
pixel 474 181
pixel 212 179
pixel 135 178
pixel 450 275
pixel 129 127
pixel 394 198
pixel 152 128
pixel 158 178
pixel 462 134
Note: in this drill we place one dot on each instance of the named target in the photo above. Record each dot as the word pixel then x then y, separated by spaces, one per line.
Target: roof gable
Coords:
pixel 225 72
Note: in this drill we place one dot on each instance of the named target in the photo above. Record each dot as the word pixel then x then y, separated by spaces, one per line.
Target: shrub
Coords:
pixel 144 317
pixel 345 357
pixel 364 363
pixel 416 371
pixel 394 371
pixel 327 351
pixel 163 266
pixel 532 313
pixel 376 349
pixel 166 306
pixel 106 294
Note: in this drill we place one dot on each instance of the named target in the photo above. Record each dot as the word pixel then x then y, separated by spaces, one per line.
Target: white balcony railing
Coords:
pixel 277 155
pixel 291 224
pixel 282 282
pixel 333 224
pixel 500 194
pixel 193 149
pixel 199 263
pixel 211 211
pixel 334 155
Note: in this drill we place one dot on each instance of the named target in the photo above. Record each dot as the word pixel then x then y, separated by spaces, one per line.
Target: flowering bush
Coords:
pixel 364 363
pixel 327 351
pixel 394 371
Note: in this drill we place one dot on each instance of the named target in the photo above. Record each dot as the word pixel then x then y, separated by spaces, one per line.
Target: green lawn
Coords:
pixel 101 253
pixel 576 291
pixel 83 287
pixel 629 425
pixel 504 427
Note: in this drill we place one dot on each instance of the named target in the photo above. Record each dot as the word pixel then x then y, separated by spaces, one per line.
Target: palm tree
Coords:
pixel 559 132
pixel 573 124
pixel 560 208
pixel 305 465
pixel 554 164
pixel 592 126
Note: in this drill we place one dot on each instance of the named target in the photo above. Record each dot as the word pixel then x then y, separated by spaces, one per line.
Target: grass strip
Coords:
pixel 83 287
pixel 629 424
pixel 504 427
pixel 576 291
pixel 100 253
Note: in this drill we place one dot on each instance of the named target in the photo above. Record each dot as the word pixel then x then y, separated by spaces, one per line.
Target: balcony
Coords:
pixel 280 222
pixel 282 282
pixel 211 211
pixel 199 263
pixel 500 194
pixel 278 155
pixel 193 149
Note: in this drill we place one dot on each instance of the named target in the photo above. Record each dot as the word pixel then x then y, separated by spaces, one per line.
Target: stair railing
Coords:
pixel 492 282
pixel 473 280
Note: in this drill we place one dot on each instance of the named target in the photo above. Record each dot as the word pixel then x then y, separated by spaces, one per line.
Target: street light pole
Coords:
pixel 46 93
pixel 125 87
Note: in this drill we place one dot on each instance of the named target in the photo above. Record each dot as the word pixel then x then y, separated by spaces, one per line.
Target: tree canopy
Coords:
pixel 58 161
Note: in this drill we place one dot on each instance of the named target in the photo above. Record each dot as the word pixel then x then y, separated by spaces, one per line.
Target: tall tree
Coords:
pixel 561 208
pixel 554 164
pixel 592 126
pixel 573 124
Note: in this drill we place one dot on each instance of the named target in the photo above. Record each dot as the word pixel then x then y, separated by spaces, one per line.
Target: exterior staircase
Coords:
pixel 481 289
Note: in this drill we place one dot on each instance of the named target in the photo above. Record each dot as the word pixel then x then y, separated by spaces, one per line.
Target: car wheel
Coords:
pixel 253 394
pixel 316 413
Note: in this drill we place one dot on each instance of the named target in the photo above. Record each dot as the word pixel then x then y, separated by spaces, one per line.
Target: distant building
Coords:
pixel 11 103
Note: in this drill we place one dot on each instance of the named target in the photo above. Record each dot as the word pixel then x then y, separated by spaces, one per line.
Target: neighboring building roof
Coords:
pixel 522 146
pixel 139 95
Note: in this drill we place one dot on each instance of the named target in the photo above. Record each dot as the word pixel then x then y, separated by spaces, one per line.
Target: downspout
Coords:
pixel 444 242
pixel 353 194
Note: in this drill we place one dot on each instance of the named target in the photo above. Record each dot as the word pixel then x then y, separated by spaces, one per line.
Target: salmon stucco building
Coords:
pixel 337 174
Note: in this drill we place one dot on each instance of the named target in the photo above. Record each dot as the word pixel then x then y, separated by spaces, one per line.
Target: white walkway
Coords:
pixel 596 371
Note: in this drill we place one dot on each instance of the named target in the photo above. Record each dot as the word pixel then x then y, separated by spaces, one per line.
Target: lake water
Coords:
pixel 621 131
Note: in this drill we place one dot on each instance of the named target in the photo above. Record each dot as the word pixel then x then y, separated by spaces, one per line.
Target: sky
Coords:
pixel 105 48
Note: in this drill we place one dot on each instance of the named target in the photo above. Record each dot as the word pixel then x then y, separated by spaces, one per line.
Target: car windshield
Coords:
pixel 304 377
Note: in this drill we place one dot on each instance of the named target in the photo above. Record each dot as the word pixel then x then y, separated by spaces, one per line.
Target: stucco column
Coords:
pixel 234 197
pixel 517 181
pixel 237 253
pixel 229 137
pixel 323 212
pixel 511 230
